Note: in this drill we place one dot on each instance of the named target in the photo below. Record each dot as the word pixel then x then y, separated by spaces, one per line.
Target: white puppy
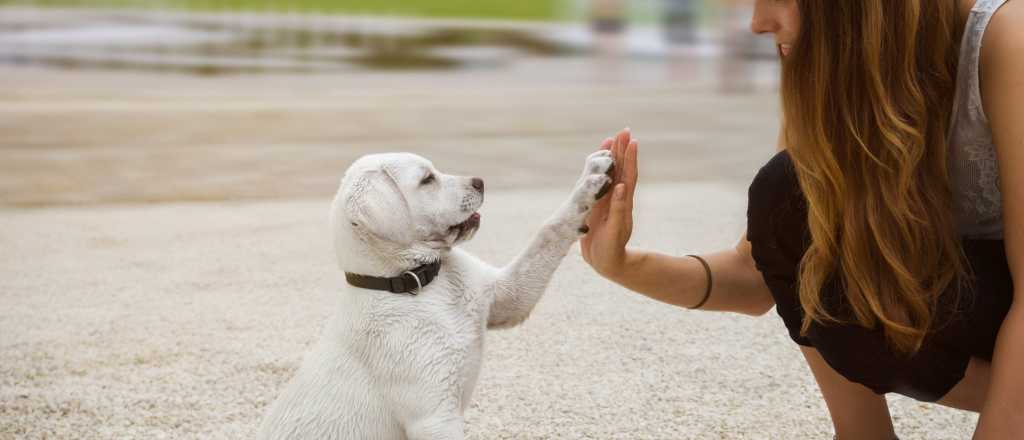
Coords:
pixel 403 365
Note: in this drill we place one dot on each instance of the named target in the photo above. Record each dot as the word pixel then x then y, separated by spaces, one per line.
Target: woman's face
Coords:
pixel 780 18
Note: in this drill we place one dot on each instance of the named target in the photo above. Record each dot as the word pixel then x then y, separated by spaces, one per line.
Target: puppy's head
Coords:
pixel 401 200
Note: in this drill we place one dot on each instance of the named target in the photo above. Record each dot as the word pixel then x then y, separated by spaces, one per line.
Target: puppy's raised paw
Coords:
pixel 593 184
pixel 599 165
pixel 590 189
pixel 599 162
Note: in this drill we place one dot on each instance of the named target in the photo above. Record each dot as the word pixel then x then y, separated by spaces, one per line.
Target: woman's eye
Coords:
pixel 427 180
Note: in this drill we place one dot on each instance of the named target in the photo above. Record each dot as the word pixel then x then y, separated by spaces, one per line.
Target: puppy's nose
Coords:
pixel 478 184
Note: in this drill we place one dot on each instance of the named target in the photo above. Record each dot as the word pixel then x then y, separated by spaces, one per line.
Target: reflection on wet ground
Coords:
pixel 214 44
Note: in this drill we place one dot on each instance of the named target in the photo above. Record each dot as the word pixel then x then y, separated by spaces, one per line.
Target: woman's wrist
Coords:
pixel 619 272
pixel 665 278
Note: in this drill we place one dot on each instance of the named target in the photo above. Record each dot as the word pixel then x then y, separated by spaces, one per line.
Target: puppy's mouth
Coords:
pixel 466 228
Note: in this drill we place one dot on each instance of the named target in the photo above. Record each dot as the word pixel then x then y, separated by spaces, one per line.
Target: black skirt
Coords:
pixel 968 318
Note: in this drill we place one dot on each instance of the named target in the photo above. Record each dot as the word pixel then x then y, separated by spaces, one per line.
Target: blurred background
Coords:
pixel 129 101
pixel 166 168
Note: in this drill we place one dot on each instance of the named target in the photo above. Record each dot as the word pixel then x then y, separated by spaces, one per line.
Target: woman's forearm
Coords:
pixel 1003 416
pixel 682 281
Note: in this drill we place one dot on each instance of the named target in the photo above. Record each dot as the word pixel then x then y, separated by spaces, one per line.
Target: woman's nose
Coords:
pixel 763 22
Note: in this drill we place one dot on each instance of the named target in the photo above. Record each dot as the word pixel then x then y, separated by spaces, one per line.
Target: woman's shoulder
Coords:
pixel 775 185
pixel 1002 63
pixel 777 172
pixel 1003 43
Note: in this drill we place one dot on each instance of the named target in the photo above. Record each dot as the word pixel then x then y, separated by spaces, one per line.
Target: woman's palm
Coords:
pixel 610 223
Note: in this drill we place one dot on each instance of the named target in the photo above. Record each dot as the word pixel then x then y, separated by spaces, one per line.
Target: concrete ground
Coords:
pixel 183 320
pixel 165 260
pixel 86 137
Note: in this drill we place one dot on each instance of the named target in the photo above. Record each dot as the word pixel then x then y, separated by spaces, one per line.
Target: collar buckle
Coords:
pixel 419 285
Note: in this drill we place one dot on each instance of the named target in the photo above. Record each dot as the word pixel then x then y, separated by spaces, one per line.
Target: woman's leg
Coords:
pixel 777 229
pixel 952 368
pixel 857 412
pixel 969 394
pixel 985 306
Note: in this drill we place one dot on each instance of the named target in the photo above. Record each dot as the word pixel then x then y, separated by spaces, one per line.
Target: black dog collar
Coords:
pixel 410 282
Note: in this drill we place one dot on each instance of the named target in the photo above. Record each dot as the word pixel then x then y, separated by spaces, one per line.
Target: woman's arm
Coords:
pixel 681 281
pixel 1002 417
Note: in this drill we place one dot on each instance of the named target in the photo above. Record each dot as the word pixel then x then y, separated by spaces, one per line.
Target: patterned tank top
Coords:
pixel 974 172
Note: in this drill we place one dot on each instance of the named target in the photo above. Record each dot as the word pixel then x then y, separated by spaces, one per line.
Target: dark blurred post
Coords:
pixel 680 30
pixel 680 21
pixel 608 16
pixel 608 22
pixel 739 46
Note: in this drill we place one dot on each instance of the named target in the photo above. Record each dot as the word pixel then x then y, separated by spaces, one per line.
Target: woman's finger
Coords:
pixel 618 211
pixel 618 152
pixel 600 209
pixel 630 170
pixel 585 246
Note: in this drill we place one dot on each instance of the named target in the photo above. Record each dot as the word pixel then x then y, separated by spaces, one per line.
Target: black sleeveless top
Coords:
pixel 967 323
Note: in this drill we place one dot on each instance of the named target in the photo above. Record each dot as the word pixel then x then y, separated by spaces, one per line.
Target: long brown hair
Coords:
pixel 867 93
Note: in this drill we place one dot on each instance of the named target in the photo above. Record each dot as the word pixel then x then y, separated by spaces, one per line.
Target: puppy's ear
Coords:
pixel 374 203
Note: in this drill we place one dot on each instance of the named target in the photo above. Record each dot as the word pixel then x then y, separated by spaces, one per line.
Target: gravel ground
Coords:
pixel 184 320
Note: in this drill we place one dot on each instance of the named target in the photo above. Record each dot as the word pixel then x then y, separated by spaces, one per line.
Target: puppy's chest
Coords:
pixel 468 311
pixel 465 300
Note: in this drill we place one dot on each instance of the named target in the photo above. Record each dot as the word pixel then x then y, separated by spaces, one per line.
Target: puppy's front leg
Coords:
pixel 520 284
pixel 437 428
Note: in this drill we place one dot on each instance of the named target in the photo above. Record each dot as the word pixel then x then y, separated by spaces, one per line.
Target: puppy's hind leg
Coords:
pixel 520 284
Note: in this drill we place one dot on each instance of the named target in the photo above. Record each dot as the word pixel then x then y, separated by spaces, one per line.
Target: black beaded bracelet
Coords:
pixel 707 293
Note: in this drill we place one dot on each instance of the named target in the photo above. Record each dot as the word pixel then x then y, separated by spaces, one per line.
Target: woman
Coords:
pixel 889 231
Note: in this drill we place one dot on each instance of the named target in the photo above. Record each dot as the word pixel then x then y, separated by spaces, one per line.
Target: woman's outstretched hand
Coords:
pixel 610 222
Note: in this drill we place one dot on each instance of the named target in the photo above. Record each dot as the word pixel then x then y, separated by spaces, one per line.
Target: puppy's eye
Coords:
pixel 427 180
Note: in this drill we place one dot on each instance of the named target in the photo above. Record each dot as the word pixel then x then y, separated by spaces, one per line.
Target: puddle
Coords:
pixel 222 47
